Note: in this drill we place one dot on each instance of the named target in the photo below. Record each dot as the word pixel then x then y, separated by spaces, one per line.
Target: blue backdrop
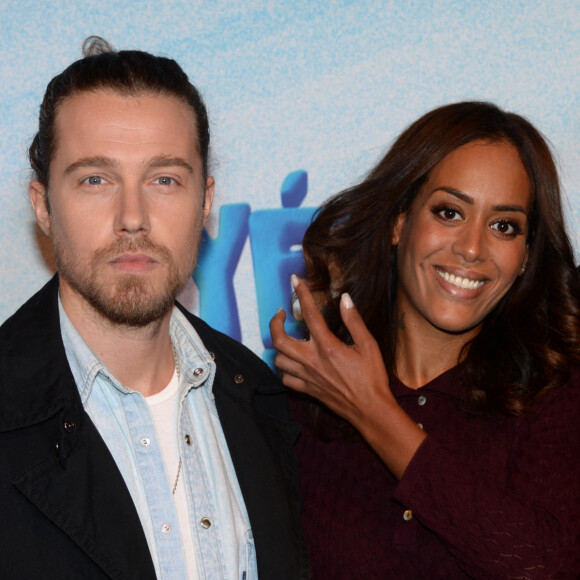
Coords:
pixel 303 98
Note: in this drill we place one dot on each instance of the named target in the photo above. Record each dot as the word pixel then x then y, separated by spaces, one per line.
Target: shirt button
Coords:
pixel 238 379
pixel 421 400
pixel 408 515
pixel 69 425
pixel 205 523
pixel 145 441
pixel 165 528
pixel 420 425
pixel 198 372
pixel 188 439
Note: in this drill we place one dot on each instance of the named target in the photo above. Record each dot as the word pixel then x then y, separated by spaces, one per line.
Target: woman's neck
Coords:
pixel 424 352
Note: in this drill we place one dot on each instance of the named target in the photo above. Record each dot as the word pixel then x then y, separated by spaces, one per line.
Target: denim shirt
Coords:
pixel 222 537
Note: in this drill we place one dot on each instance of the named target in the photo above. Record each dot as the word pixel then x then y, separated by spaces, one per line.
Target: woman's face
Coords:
pixel 463 242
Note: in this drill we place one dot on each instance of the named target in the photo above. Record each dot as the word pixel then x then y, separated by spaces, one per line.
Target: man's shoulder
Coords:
pixel 35 308
pixel 36 313
pixel 33 361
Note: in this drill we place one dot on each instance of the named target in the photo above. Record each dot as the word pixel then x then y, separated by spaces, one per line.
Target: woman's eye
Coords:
pixel 506 228
pixel 447 213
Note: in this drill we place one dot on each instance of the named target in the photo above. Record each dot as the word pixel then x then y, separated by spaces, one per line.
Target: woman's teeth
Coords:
pixel 460 282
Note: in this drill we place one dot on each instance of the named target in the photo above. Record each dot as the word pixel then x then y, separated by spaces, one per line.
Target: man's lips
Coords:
pixel 134 262
pixel 132 258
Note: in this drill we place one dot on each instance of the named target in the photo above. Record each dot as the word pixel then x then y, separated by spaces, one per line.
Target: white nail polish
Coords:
pixel 347 300
pixel 296 308
pixel 294 281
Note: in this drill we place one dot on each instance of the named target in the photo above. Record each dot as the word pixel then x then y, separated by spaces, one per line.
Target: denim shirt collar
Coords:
pixel 196 363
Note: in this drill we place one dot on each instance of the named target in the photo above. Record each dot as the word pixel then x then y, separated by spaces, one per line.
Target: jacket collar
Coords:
pixel 36 380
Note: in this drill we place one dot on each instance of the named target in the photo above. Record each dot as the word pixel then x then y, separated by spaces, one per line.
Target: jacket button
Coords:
pixel 408 515
pixel 69 425
pixel 198 372
pixel 211 354
pixel 238 379
pixel 205 523
pixel 188 439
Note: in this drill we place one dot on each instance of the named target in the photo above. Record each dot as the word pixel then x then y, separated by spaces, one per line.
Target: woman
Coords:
pixel 443 310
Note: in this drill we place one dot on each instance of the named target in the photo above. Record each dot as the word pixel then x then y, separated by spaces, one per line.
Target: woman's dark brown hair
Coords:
pixel 531 340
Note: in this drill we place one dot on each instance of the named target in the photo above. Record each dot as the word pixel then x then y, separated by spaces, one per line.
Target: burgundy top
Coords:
pixel 483 497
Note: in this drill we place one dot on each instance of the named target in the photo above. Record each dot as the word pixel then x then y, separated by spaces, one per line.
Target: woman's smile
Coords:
pixel 463 242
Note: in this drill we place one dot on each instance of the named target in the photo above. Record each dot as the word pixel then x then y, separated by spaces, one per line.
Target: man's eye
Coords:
pixel 165 180
pixel 94 180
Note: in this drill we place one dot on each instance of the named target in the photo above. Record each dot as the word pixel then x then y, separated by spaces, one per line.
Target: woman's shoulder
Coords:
pixel 561 403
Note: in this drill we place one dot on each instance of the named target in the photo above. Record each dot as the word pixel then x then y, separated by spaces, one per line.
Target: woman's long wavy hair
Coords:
pixel 530 342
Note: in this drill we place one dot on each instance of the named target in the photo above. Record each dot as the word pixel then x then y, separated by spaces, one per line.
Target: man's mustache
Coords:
pixel 133 246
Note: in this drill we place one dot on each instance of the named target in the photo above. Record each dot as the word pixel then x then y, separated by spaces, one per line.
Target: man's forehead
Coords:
pixel 116 115
pixel 107 97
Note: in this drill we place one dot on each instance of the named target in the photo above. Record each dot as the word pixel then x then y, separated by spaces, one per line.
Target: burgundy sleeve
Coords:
pixel 526 526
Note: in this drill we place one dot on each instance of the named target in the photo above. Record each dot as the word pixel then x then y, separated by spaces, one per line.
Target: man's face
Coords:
pixel 127 203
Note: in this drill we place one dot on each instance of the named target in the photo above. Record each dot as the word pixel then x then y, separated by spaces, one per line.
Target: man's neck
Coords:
pixel 140 358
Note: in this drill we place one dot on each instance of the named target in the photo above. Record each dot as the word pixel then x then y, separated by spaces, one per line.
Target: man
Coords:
pixel 135 441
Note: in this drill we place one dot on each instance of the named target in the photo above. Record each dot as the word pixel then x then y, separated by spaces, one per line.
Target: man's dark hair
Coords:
pixel 128 72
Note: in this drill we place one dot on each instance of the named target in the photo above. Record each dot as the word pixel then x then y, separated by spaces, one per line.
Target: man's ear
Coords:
pixel 37 193
pixel 398 229
pixel 208 198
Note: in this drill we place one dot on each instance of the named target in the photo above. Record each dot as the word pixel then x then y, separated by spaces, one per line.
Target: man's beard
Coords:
pixel 131 300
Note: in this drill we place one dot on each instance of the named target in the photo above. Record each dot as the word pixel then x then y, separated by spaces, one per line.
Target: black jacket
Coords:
pixel 64 507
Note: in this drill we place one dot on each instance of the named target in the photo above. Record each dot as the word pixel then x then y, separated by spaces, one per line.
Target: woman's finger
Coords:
pixel 354 323
pixel 277 324
pixel 310 312
pixel 291 373
pixel 287 345
pixel 289 365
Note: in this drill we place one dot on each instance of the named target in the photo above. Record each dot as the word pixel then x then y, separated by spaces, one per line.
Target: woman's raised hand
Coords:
pixel 346 378
pixel 351 380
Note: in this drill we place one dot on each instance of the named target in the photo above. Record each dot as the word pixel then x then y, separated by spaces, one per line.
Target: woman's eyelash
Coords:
pixel 449 213
pixel 516 229
pixel 439 209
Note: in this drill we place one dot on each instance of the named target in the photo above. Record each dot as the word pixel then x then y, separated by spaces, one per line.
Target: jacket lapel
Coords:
pixel 67 471
pixel 85 496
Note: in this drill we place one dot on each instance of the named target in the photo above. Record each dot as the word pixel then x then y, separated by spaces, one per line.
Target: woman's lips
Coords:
pixel 460 282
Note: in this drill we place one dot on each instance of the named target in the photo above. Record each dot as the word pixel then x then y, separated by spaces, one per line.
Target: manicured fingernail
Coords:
pixel 347 300
pixel 296 308
pixel 294 281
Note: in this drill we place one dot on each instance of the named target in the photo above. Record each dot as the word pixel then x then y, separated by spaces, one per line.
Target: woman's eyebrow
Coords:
pixel 470 200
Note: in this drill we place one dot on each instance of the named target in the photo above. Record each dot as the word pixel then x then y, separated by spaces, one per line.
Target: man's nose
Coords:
pixel 132 214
